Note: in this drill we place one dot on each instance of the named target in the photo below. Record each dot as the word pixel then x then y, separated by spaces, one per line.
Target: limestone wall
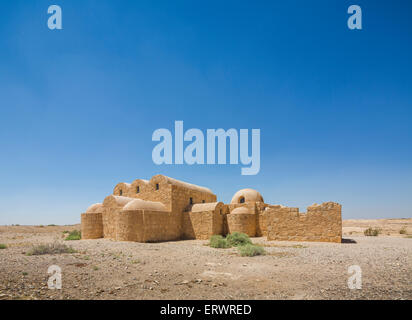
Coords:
pixel 242 220
pixel 320 223
pixel 158 227
pixel 144 226
pixel 179 209
pixel 181 204
pixel 112 206
pixel 251 206
pixel 258 208
pixel 225 212
pixel 156 191
pixel 122 189
pixel 130 226
pixel 203 221
pixel 176 195
pixel 92 225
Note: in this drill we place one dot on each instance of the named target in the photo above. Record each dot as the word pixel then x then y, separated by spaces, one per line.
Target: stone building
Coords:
pixel 165 209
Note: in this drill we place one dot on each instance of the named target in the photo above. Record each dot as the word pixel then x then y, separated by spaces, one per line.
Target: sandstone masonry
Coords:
pixel 163 209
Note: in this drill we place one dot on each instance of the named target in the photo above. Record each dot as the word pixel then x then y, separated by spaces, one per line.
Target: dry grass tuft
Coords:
pixel 372 232
pixel 251 250
pixel 55 248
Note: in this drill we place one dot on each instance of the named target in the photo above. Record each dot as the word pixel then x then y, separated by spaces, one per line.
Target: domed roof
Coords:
pixel 121 188
pixel 247 195
pixel 116 201
pixel 94 208
pixel 240 210
pixel 139 204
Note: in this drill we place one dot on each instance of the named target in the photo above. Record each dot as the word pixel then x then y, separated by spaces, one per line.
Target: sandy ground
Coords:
pixel 104 269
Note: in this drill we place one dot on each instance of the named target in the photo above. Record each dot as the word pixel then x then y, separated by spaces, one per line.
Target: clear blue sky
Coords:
pixel 78 106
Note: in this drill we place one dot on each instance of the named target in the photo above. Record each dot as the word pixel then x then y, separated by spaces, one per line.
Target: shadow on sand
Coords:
pixel 348 241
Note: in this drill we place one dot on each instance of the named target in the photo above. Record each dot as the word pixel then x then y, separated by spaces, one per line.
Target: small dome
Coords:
pixel 95 208
pixel 247 195
pixel 139 204
pixel 240 210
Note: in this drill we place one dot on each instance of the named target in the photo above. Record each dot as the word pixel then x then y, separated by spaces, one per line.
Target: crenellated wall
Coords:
pixel 320 223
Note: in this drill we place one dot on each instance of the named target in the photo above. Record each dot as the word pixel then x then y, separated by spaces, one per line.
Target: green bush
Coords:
pixel 236 239
pixel 403 230
pixel 74 235
pixel 218 241
pixel 3 246
pixel 55 248
pixel 372 232
pixel 251 250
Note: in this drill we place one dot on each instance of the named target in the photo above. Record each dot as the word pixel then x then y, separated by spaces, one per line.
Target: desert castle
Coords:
pixel 165 209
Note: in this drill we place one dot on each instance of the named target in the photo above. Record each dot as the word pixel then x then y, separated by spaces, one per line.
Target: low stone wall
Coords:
pixel 92 225
pixel 320 223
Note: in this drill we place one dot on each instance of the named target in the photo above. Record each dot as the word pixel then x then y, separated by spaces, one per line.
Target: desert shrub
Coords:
pixel 236 239
pixel 218 241
pixel 74 235
pixel 52 225
pixel 3 246
pixel 55 248
pixel 251 250
pixel 403 230
pixel 372 232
